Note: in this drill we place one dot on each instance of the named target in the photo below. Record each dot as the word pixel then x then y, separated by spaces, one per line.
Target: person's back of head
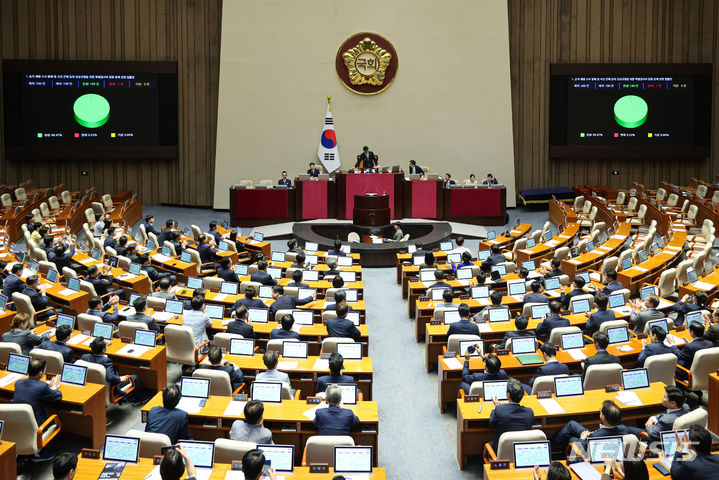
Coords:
pixel 253 464
pixel 297 275
pixel 36 367
pixel 494 249
pixel 64 466
pixel 602 300
pixel 463 310
pixel 300 258
pixel 172 466
pixel 579 282
pixel 334 394
pixel 254 409
pixel 438 275
pixel 342 309
pixel 515 390
pixel 225 262
pixel 549 350
pixel 466 257
pixel 278 289
pixel 337 244
pixel 94 302
pixel 701 439
pixel 241 312
pixel 556 263
pixel 338 282
pixel 429 258
pixel 340 295
pixel 171 396
pixel 492 363
pixel 62 333
pixel 557 471
pixel 336 363
pixel 447 295
pixel 197 302
pixel 214 355
pixel 332 263
pixel 601 340
pixel 521 322
pixel 659 333
pixel 653 301
pixel 262 265
pixel 702 299
pixel 697 329
pixel 16 268
pixel 612 413
pixel 496 297
pixel 635 469
pixel 459 241
pixel 675 395
pixel 287 321
pixel 140 304
pixel 555 307
pixel 164 283
pixel 270 359
pixel 523 272
pixel 611 274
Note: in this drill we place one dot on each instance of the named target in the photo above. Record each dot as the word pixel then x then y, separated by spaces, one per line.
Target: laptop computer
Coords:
pixel 119 448
pixel 194 391
pixel 529 454
pixel 569 386
pixel 279 457
pixel 73 374
pixel 350 351
pixel 269 392
pixel 352 460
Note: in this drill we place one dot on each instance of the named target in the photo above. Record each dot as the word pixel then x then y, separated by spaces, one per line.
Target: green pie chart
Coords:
pixel 630 111
pixel 91 110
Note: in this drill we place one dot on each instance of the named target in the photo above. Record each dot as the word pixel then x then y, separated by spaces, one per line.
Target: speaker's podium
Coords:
pixel 371 210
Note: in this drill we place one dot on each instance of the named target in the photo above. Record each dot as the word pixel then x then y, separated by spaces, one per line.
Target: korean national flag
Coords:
pixel 327 152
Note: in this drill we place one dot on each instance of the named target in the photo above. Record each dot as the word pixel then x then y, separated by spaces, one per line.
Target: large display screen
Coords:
pixel 90 109
pixel 630 110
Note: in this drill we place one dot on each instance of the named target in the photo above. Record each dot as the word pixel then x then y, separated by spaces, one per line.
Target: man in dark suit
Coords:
pixel 492 371
pixel 249 301
pixel 285 302
pixel 261 276
pixel 337 250
pixel 335 420
pixel 97 355
pixel 551 365
pixel 121 245
pixel 448 180
pixel 495 257
pixel 37 297
pixel 578 285
pixel 640 317
pixel 601 342
pixel 712 331
pixel 553 320
pixel 139 316
pixel 687 304
pixel 168 419
pixel 336 363
pixel 313 171
pixel 98 309
pixel 610 417
pixel 166 234
pixel 439 280
pixel 215 234
pixel 152 272
pixel 601 315
pixel 656 345
pixel 340 296
pixel 464 326
pixel 340 326
pixel 284 331
pixel 536 296
pixel 415 169
pixel 225 272
pixel 35 392
pixel 510 417
pixel 419 250
pixel 613 284
pixel 673 401
pixel 331 268
pixel 556 271
pixel 13 283
pixel 103 282
pixel 61 257
pixel 239 325
pixel 150 225
pixel 685 356
pixel 284 180
pixel 62 333
pixel 293 247
pixel 215 357
pixel 297 280
pixel 206 251
pixel 366 159
pixel 520 330
pixel 490 180
pixel 110 239
pixel 702 463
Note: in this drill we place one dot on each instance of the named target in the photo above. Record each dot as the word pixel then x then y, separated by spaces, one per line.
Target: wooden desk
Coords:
pixel 527 474
pixel 120 278
pixel 714 402
pixel 473 429
pixel 8 460
pixel 546 249
pixel 286 420
pixel 304 375
pixel 505 242
pixel 402 258
pixel 81 410
pixel 6 320
pixel 150 367
pixel 594 259
pixel 89 469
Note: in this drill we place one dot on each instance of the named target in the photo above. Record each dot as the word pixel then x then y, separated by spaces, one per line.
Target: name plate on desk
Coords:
pixel 502 351
pixel 319 468
pixel 313 400
pixel 471 398
pixel 499 464
pixel 544 394
pixel 239 397
pixel 611 388
pixel 450 354
pixel 435 322
pixel 90 453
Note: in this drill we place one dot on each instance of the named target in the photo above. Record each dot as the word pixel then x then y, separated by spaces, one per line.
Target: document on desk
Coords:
pixel 663 304
pixel 162 316
pixel 161 258
pixel 551 243
pixel 79 338
pixel 10 378
pixel 585 471
pixel 126 312
pixel 703 285
pixel 464 283
pixel 235 408
pixel 311 412
pixel 550 405
pixel 88 261
pixel 484 327
pixel 639 269
pixel 321 364
pixel 132 350
pixel 66 292
pixel 625 348
pixel 674 340
pixel 618 237
pixel 127 276
pixel 576 353
pixel 191 405
pixel 219 297
pixel 452 363
pixel 484 301
pixel 235 475
pixel 287 365
pixel 155 474
pixel 623 310
pixel 629 398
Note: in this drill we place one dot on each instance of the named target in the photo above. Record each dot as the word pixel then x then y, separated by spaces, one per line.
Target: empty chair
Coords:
pixel 20 194
pixel 6 348
pixel 150 443
pixel 181 348
pixel 609 263
pixel 545 383
pixel 44 209
pixel 219 381
pixel 621 197
pixel 224 339
pixel 266 183
pixel 661 194
pixel 22 429
pixel 247 183
pixel 276 344
pixel 599 376
pixel 212 283
pixel 329 344
pixel 556 336
pixel 127 328
pixel 697 416
pixel 660 368
pixel 701 191
pixel 107 203
pixel 90 217
pixel 24 305
pixel 715 197
pixel 691 216
pixel 54 203
pixel 321 448
pixel 6 200
pixel 97 208
pixel 672 200
pixel 85 321
pixel 353 237
pixel 66 196
pixel 632 205
pixel 705 362
pixel 613 324
pixel 639 219
pixel 228 450
pixel 579 203
pixel 682 277
pixel 505 444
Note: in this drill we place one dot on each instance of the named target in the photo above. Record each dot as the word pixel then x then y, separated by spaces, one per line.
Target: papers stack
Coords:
pixel 235 409
pixel 452 363
pixel 132 350
pixel 577 354
pixel 321 364
pixel 550 405
pixel 629 398
pixel 161 258
pixel 79 338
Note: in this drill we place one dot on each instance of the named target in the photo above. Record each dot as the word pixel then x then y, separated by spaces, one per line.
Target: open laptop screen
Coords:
pixel 635 378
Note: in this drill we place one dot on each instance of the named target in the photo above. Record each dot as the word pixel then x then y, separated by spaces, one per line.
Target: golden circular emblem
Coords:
pixel 366 63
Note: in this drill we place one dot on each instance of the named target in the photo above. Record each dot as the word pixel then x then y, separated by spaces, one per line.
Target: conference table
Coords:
pixel 261 206
pixel 528 474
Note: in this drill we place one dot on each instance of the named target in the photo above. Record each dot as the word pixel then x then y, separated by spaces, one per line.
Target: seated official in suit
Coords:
pixel 551 365
pixel 472 180
pixel 297 280
pixel 198 321
pixel 110 239
pixel 13 283
pixel 270 359
pixel 640 317
pixel 35 392
pixel 335 420
pixel 366 159
pixel 556 270
pixel 577 289
pixel 64 466
pixel 536 296
pixel 338 282
pixel 602 315
pixel 689 303
pixel 496 257
pixel 252 429
pixel 97 309
pixel 336 364
pixel 492 371
pixel 176 464
pixel 62 334
pixel 103 282
pixel 19 333
pixel 429 261
pixel 340 296
pixel 712 331
pixel 610 417
pixel 553 320
pixel 293 246
pixel 261 276
pixel 601 342
pixel 168 419
pixel 299 261
pixel 331 269
pixel 225 272
pixel 510 417
pixel 121 246
pixel 313 171
pixel 152 272
pixel 447 300
pixel 613 284
pixel 216 363
pixel 164 290
pixel 448 180
pixel 285 302
pixel 285 328
pixel 520 330
pixel 419 250
pixel 240 326
pixel 284 180
pixel 340 326
pixel 249 301
pixel 673 401
pixel 700 462
pixel 98 349
pixel 37 297
pixel 176 243
pixel 655 346
pixel 415 169
pixel 464 326
pixel 439 280
pixel 337 250
pixel 207 252
pixel 150 225
pixel 61 256
pixel 490 180
pixel 496 298
pixel 216 236
pixel 685 355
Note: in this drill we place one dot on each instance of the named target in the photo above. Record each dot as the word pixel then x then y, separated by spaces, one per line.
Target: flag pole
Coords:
pixel 328 102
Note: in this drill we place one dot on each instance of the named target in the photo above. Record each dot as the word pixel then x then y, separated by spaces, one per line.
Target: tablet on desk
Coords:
pixel 529 454
pixel 480 291
pixel 451 316
pixel 64 319
pixel 242 346
pixel 146 338
pixel 274 272
pixel 350 351
pixel 552 283
pixel 134 268
pixel 454 258
pixel 540 311
pixel 201 454
pixel 73 374
pixel 635 378
pixel 661 323
pixel 349 393
pixel 186 257
pixel 257 315
pixel 618 335
pixel 258 236
pixel 348 277
pixel 478 350
pixel 522 345
pixel 464 273
pixel 569 386
pixel 644 292
pixel 17 363
pixel 483 254
pixel 353 459
pixel 103 330
pixel 303 317
pixel 241 269
pixel 496 389
pixel 52 275
pixel 270 392
pixel 437 294
pixel 580 306
pixel 311 275
pixel 194 282
pixel 572 340
pixel 517 288
pixel 311 246
pixel 599 447
pixel 617 300
pixel 294 349
pixel 195 387
pixel 265 291
pixel 427 275
pixel 214 311
pixel 281 457
pixel 529 265
pixel 498 314
pixel 73 284
pixel 417 260
pixel 174 306
pixel 119 448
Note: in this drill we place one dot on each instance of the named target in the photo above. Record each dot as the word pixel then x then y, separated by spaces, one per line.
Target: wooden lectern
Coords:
pixel 371 210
